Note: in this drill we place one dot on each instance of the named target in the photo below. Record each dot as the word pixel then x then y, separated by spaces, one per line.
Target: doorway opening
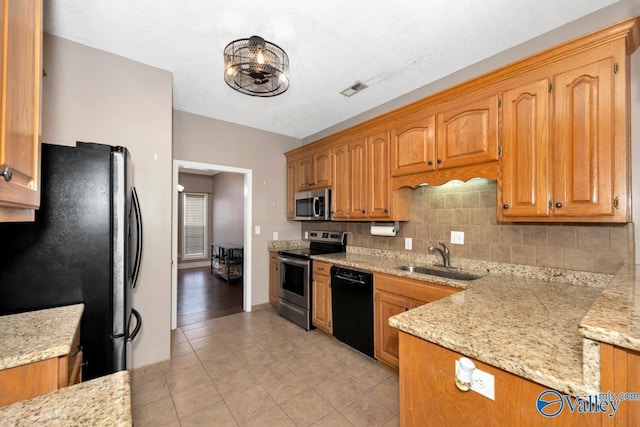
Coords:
pixel 199 282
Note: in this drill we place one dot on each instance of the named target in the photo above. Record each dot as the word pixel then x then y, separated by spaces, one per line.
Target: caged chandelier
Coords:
pixel 256 67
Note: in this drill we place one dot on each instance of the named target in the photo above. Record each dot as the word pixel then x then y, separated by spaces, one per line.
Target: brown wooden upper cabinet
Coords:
pixel 361 183
pixel 314 170
pixel 564 141
pixel 452 134
pixel 292 186
pixel 21 74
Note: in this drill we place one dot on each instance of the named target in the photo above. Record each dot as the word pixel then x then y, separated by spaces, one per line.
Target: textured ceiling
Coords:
pixel 392 46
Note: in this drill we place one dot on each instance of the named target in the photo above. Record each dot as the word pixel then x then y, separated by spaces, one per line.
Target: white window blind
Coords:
pixel 194 225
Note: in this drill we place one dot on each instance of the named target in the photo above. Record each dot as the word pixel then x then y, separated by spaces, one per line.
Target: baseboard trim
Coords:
pixel 194 265
pixel 261 306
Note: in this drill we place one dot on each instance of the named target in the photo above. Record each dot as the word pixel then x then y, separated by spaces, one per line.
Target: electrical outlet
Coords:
pixel 275 235
pixel 408 243
pixel 257 229
pixel 306 234
pixel 457 237
pixel 483 383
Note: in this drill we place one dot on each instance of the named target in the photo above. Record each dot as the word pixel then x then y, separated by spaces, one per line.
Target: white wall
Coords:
pixel 205 140
pixel 91 95
pixel 228 208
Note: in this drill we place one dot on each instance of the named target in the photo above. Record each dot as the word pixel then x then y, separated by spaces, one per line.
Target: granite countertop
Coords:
pixel 614 318
pixel 521 319
pixel 276 245
pixel 104 401
pixel 37 335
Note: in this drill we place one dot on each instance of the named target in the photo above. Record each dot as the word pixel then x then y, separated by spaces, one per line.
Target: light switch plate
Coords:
pixel 306 234
pixel 457 237
pixel 257 229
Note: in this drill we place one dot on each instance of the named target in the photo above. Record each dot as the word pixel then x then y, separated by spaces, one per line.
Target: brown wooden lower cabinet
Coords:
pixel 429 397
pixel 393 295
pixel 33 379
pixel 274 278
pixel 321 311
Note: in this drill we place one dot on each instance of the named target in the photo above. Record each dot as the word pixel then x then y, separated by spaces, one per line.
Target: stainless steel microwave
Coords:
pixel 314 205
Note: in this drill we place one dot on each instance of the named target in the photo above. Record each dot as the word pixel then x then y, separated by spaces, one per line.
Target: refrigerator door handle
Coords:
pixel 138 218
pixel 138 317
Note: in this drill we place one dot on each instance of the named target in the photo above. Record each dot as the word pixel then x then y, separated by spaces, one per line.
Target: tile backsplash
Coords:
pixel 471 207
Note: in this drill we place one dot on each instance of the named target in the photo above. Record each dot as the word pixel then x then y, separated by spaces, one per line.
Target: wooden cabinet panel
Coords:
pixel 322 169
pixel 393 295
pixel 321 312
pixel 358 178
pixel 292 186
pixel 413 144
pixel 21 74
pixel 620 372
pixel 525 150
pixel 467 133
pixel 386 342
pixel 378 185
pixel 304 173
pixel 274 278
pixel 427 375
pixel 341 194
pixel 583 148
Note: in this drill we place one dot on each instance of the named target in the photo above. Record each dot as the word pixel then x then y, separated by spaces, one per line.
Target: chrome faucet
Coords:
pixel 446 257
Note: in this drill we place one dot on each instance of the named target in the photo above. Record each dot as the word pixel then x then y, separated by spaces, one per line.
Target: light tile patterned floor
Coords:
pixel 258 369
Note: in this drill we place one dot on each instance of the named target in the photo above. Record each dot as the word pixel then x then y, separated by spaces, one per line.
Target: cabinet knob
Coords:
pixel 505 206
pixel 406 309
pixel 6 172
pixel 439 161
pixel 386 211
pixel 364 211
pixel 430 162
pixel 558 205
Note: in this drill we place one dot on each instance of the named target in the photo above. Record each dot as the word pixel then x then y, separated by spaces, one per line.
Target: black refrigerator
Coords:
pixel 85 246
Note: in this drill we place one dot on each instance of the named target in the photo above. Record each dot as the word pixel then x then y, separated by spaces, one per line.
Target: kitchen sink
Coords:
pixel 449 274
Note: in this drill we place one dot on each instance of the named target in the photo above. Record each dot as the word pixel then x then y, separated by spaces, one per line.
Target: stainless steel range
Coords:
pixel 295 266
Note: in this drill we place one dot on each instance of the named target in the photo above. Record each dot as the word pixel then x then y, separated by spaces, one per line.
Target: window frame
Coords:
pixel 205 254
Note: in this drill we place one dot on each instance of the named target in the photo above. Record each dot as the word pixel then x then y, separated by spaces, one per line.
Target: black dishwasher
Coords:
pixel 352 308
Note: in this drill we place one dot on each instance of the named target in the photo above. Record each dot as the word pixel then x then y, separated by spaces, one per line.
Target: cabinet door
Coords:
pixel 341 193
pixel 21 76
pixel 413 144
pixel 525 151
pixel 291 189
pixel 304 172
pixel 274 277
pixel 386 337
pixel 358 178
pixel 322 169
pixel 379 191
pixel 321 302
pixel 584 140
pixel 467 133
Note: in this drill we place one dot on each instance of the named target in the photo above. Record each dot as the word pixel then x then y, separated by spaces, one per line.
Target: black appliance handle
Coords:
pixel 138 317
pixel 349 280
pixel 138 218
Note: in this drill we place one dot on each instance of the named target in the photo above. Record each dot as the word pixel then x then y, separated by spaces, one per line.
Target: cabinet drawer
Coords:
pixel 321 267
pixel 416 289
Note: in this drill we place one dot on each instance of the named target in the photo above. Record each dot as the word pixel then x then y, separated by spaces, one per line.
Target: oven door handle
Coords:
pixel 293 261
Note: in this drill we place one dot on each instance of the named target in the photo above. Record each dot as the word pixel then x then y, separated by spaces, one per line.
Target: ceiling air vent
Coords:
pixel 357 87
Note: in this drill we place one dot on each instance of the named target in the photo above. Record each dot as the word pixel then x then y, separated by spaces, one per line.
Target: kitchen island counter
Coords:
pixel 37 335
pixel 104 401
pixel 521 319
